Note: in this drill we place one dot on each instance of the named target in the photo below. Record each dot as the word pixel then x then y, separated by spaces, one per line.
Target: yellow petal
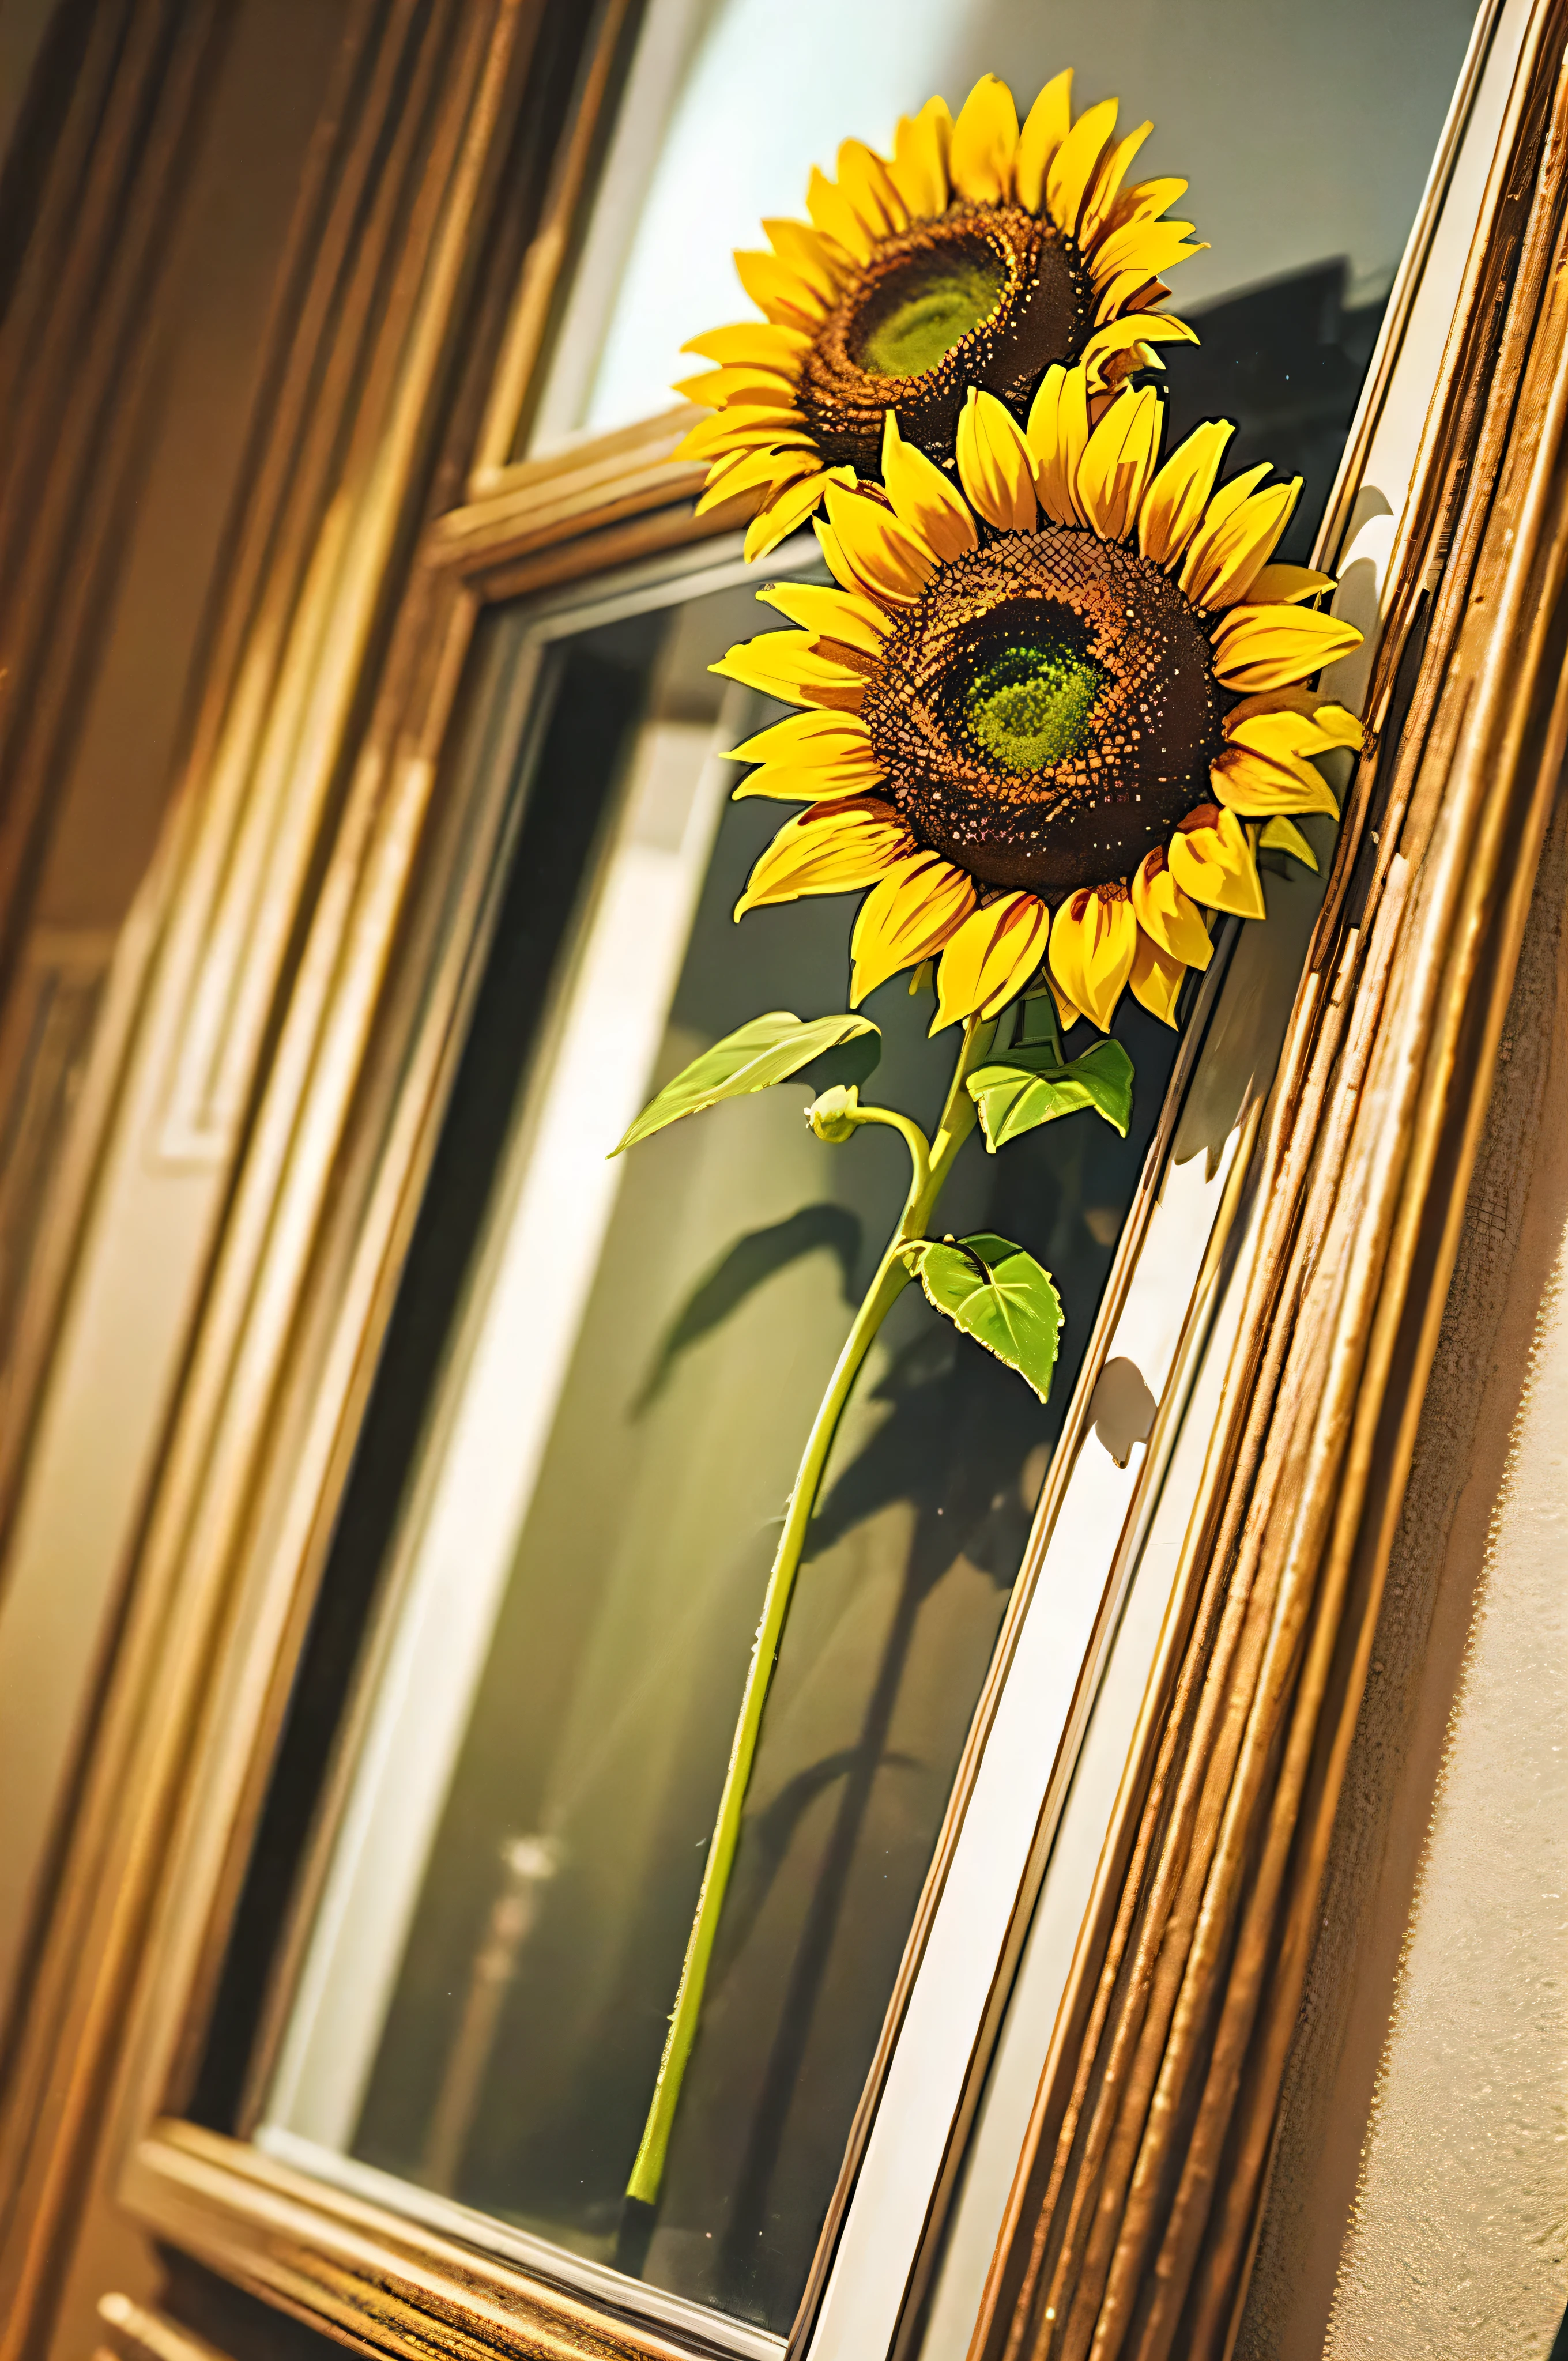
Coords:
pixel 879 555
pixel 842 615
pixel 992 956
pixel 754 467
pixel 868 186
pixel 1058 433
pixel 789 507
pixel 1211 859
pixel 1144 201
pixel 775 782
pixel 789 664
pixel 1093 939
pixel 1167 915
pixel 754 344
pixel 1117 463
pixel 1277 737
pixel 804 251
pixel 1106 185
pixel 780 293
pixel 1151 247
pixel 832 849
pixel 1157 980
pixel 1235 539
pixel 1226 557
pixel 703 390
pixel 910 915
pixel 1133 328
pixel 754 404
pixel 919 166
pixel 985 141
pixel 743 471
pixel 1322 724
pixel 838 565
pixel 995 464
pixel 758 405
pixel 1284 835
pixel 1072 168
pixel 1130 291
pixel 836 741
pixel 1046 126
pixel 924 500
pixel 1068 1013
pixel 1282 737
pixel 1269 647
pixel 1117 368
pixel 1256 786
pixel 756 388
pixel 1286 585
pixel 1231 495
pixel 1174 504
pixel 836 217
pixel 1339 723
pixel 719 491
pixel 733 429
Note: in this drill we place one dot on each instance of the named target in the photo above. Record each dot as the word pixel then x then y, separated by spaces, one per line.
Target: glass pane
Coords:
pixel 1305 136
pixel 633 1362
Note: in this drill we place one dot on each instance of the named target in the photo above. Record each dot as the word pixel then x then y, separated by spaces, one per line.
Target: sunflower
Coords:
pixel 976 255
pixel 1049 715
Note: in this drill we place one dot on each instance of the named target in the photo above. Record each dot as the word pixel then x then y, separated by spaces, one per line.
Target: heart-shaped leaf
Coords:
pixel 997 1294
pixel 1030 1087
pixel 769 1050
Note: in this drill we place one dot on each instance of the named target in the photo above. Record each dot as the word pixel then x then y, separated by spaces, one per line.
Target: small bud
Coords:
pixel 832 1117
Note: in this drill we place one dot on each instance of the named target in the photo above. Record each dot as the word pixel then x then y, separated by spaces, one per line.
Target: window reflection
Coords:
pixel 588 1531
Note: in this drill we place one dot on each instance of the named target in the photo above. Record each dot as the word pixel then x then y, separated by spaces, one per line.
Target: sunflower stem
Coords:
pixel 930 1168
pixel 914 1139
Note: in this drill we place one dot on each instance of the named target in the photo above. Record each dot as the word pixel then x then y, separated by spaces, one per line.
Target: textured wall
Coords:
pixel 1420 2204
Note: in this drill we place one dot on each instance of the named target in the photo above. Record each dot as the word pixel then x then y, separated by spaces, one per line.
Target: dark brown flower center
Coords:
pixel 1047 713
pixel 986 295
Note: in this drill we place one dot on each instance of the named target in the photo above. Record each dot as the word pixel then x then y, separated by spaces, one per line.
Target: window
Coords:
pixel 587 1527
pixel 500 1617
pixel 626 1353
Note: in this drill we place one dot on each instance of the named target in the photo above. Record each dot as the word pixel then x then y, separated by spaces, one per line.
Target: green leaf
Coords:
pixel 848 1063
pixel 1030 1087
pixel 769 1050
pixel 997 1294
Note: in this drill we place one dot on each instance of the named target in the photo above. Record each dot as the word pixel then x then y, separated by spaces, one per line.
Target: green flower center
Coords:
pixel 912 334
pixel 1029 707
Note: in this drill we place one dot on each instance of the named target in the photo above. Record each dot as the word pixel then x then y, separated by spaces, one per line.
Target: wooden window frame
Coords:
pixel 327 1112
